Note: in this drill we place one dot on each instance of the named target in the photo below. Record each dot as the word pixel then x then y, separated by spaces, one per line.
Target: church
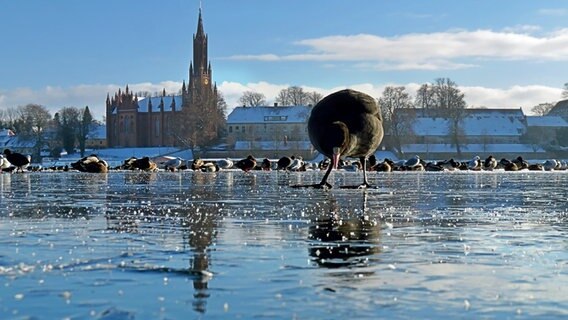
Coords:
pixel 134 121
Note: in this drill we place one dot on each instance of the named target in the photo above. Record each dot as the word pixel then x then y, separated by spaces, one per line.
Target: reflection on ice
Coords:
pixel 340 240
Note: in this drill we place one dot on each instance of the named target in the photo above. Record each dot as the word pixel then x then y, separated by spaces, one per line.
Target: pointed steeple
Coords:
pixel 200 32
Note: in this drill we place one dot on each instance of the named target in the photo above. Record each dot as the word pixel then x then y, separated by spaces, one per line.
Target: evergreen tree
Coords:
pixel 85 127
pixel 68 127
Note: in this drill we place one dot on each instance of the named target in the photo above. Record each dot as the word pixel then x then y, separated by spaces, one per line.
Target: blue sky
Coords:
pixel 505 54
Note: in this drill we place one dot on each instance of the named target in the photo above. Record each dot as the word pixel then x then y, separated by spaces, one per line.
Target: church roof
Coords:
pixel 143 104
pixel 292 114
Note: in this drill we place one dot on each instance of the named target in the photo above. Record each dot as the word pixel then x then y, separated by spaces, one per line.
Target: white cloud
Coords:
pixel 522 28
pixel 431 51
pixel 94 96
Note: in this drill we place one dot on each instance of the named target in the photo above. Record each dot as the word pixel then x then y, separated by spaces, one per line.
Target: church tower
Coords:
pixel 200 88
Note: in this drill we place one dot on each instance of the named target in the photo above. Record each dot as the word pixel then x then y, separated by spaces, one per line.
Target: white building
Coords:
pixel 503 133
pixel 269 131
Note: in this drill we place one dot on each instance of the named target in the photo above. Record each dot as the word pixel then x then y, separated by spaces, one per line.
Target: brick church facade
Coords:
pixel 150 122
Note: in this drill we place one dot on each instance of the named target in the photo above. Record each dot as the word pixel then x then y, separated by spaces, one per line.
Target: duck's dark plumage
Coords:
pixel 18 160
pixel 349 121
pixel 246 164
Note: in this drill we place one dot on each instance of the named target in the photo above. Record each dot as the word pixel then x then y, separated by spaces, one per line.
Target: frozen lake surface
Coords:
pixel 129 245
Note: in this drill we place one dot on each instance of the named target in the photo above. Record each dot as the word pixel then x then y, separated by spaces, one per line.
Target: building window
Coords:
pixel 275 118
pixel 230 129
pixel 157 128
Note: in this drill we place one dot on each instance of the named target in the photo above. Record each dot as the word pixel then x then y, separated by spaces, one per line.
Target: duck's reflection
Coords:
pixel 340 239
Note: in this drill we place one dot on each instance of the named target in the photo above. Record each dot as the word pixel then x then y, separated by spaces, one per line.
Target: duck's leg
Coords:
pixel 365 183
pixel 322 185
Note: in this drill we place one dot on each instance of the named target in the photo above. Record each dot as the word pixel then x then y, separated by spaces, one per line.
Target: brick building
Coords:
pixel 149 122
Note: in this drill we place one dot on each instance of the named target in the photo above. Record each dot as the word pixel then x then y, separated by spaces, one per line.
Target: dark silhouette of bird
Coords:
pixel 18 160
pixel 144 164
pixel 521 163
pixel 284 163
pixel 246 164
pixel 266 165
pixel 346 123
pixel 91 163
pixel 508 165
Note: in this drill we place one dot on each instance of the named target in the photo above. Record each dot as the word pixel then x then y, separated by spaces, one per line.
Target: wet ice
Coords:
pixel 230 244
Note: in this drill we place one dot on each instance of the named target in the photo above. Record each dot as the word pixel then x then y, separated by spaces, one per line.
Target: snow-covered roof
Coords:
pixel 18 142
pixel 156 101
pixel 476 148
pixel 546 121
pixel 98 131
pixel 293 114
pixel 5 136
pixel 478 122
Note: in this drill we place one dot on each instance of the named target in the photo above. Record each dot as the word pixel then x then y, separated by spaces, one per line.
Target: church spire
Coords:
pixel 200 49
pixel 200 32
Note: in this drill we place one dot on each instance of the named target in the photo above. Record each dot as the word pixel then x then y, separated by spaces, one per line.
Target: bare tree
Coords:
pixel 292 96
pixel 450 102
pixel 398 115
pixel 34 119
pixel 425 97
pixel 282 98
pixel 9 117
pixel 542 109
pixel 252 99
pixel 202 123
pixel 314 97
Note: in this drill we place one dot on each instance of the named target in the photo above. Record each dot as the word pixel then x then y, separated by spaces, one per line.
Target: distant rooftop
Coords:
pixel 546 121
pixel 98 132
pixel 289 114
pixel 477 122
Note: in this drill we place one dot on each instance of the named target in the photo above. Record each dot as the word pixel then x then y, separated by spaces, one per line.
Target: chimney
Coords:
pixel 276 104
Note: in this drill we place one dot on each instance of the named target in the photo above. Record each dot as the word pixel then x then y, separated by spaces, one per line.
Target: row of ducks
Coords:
pixel 476 164
pixel 12 161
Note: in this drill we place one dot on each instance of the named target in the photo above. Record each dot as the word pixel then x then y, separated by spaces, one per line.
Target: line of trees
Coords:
pixel 291 96
pixel 399 112
pixel 67 130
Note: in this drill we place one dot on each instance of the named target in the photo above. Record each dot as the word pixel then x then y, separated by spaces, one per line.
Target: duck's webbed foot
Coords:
pixel 364 185
pixel 324 185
